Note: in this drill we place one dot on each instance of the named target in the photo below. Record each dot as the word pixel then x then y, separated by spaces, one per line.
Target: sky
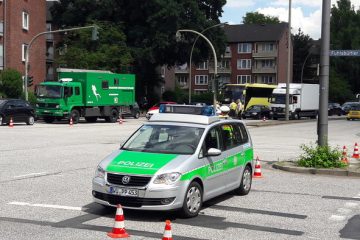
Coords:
pixel 306 14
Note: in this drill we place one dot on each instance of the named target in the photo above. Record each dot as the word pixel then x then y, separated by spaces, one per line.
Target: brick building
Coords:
pixel 255 53
pixel 20 21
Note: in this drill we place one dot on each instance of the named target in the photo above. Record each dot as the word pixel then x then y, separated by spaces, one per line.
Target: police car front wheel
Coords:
pixel 192 201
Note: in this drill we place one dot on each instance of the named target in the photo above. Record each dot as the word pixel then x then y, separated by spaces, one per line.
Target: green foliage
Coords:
pixel 320 157
pixel 259 18
pixel 149 27
pixel 345 34
pixel 11 83
pixel 339 88
pixel 169 96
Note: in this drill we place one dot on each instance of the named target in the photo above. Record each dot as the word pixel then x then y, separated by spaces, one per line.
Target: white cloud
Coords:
pixel 239 3
pixel 310 24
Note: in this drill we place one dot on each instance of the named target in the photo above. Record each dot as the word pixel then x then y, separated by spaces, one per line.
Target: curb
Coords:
pixel 323 171
pixel 282 121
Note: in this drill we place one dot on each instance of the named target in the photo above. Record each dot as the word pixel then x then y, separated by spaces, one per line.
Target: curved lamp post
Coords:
pixel 191 52
pixel 94 37
pixel 178 36
pixel 311 51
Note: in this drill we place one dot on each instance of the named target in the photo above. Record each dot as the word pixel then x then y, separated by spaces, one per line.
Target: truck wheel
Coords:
pixel 114 115
pixel 75 115
pixel 137 115
pixel 192 200
pixel 245 183
pixel 91 119
pixel 49 119
pixel 30 120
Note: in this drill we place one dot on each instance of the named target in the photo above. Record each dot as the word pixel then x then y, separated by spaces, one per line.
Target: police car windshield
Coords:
pixel 165 139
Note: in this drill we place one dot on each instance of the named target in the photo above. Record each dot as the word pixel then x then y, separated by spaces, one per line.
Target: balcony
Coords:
pixel 264 70
pixel 50 37
pixel 264 54
pixel 227 55
pixel 181 69
pixel 220 70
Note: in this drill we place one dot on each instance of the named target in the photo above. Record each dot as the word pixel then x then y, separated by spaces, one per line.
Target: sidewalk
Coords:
pixel 353 170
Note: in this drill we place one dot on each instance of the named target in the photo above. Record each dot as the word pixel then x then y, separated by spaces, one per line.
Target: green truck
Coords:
pixel 91 94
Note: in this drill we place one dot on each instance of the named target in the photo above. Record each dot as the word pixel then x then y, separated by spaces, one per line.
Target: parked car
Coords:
pixel 257 112
pixel 354 112
pixel 346 106
pixel 16 109
pixel 334 109
pixel 155 109
pixel 134 111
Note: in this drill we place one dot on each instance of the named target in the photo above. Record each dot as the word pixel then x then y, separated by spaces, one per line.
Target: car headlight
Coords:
pixel 254 113
pixel 167 178
pixel 100 172
pixel 37 105
pixel 57 106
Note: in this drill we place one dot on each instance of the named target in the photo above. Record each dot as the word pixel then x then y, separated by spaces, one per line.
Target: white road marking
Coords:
pixel 31 175
pixel 351 205
pixel 344 211
pixel 337 218
pixel 46 206
pixel 358 196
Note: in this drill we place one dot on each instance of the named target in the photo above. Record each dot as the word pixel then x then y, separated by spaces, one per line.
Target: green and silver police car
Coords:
pixel 176 161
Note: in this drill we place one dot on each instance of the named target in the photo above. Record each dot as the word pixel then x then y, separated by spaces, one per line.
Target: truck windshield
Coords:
pixel 43 91
pixel 165 139
pixel 278 99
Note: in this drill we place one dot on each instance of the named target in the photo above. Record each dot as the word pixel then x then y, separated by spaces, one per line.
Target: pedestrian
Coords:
pixel 239 109
pixel 233 107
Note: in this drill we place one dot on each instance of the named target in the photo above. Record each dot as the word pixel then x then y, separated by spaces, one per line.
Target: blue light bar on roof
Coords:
pixel 187 109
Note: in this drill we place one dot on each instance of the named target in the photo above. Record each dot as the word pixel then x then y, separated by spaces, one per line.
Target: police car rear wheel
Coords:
pixel 245 184
pixel 192 201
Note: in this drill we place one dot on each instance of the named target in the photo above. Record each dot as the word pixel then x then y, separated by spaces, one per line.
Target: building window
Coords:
pixel 23 52
pixel 201 80
pixel 200 91
pixel 202 66
pixel 244 47
pixel 268 79
pixel 182 81
pixel 267 47
pixel 1 57
pixel 25 20
pixel 242 79
pixel 267 63
pixel 224 64
pixel 244 64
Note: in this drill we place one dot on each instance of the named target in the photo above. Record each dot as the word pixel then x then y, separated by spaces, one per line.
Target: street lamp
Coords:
pixel 94 37
pixel 287 102
pixel 191 52
pixel 178 37
pixel 311 51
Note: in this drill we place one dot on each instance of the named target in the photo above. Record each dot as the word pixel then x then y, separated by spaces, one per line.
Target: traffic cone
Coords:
pixel 264 119
pixel 257 172
pixel 11 124
pixel 167 232
pixel 356 152
pixel 118 230
pixel 71 121
pixel 120 120
pixel 344 156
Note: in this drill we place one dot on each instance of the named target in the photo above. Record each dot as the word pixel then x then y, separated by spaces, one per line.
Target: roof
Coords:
pixel 255 32
pixel 184 118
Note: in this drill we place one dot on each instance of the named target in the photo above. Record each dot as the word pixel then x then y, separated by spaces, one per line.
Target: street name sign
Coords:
pixel 345 53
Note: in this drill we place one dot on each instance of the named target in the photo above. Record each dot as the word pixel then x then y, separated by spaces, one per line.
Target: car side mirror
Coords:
pixel 213 152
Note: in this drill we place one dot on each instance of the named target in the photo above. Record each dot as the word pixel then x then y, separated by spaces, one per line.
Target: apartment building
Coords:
pixel 255 53
pixel 20 21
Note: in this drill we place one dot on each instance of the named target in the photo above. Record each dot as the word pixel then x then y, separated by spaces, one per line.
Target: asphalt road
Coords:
pixel 45 185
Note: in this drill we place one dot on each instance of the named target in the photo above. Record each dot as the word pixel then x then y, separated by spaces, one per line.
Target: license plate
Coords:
pixel 124 191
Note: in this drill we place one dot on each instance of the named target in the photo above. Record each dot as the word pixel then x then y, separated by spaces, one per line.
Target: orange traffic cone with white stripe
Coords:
pixel 118 230
pixel 11 124
pixel 356 151
pixel 120 120
pixel 257 172
pixel 264 119
pixel 344 156
pixel 167 232
pixel 71 122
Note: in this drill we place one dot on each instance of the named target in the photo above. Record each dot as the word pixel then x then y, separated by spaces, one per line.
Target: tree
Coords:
pixel 259 18
pixel 11 83
pixel 149 28
pixel 345 34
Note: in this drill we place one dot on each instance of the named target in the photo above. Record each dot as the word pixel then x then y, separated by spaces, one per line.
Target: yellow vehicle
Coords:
pixel 354 112
pixel 250 93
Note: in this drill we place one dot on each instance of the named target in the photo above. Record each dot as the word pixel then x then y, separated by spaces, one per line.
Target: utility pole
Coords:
pixel 288 67
pixel 324 74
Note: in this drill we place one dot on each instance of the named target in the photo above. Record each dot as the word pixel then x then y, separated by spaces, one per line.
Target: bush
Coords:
pixel 320 157
pixel 11 83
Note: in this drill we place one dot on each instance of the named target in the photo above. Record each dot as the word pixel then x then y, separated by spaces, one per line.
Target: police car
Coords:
pixel 182 157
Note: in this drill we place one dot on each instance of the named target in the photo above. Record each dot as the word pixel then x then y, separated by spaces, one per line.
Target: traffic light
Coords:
pixel 95 33
pixel 30 81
